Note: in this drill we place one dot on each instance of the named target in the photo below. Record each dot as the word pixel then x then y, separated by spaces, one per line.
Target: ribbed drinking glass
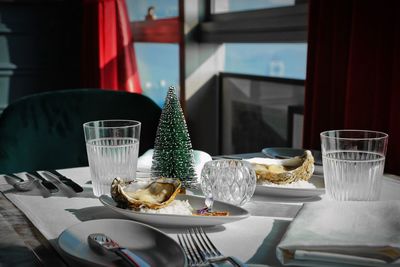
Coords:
pixel 353 162
pixel 112 148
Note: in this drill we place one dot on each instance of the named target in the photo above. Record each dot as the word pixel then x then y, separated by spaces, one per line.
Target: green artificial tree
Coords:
pixel 173 154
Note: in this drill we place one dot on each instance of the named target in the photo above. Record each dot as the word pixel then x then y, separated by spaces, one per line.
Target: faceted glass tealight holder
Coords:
pixel 232 181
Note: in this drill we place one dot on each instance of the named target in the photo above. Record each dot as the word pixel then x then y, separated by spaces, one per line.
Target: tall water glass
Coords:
pixel 112 148
pixel 353 162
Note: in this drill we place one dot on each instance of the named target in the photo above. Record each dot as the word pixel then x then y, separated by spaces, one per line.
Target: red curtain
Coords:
pixel 108 54
pixel 353 71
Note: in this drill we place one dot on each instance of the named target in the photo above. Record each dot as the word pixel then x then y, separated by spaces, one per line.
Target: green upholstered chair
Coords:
pixel 44 131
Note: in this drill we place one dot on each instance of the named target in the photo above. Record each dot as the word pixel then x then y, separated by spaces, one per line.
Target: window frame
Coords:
pixel 271 25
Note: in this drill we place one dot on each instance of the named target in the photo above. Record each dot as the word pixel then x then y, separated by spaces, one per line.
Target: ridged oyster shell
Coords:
pixel 155 195
pixel 284 171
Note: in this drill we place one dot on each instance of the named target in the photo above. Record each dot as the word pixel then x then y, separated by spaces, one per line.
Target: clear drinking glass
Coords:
pixel 232 181
pixel 353 162
pixel 112 148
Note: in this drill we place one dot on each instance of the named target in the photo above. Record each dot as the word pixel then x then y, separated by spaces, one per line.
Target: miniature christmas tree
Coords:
pixel 173 154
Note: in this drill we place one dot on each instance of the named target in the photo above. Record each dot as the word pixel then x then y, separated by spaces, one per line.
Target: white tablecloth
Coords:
pixel 253 240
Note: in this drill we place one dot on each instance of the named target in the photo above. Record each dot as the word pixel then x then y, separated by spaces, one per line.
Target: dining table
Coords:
pixel 31 223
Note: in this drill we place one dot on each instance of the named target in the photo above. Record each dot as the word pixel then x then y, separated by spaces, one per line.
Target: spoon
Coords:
pixel 22 186
pixel 101 243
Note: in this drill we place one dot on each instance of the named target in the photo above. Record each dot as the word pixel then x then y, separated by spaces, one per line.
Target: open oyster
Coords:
pixel 155 195
pixel 284 171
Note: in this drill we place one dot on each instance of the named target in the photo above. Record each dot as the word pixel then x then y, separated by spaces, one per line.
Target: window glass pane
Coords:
pixel 138 9
pixel 158 69
pixel 275 60
pixel 225 6
pixel 255 114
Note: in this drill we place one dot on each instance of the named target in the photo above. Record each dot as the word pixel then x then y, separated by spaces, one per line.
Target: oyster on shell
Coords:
pixel 284 171
pixel 155 195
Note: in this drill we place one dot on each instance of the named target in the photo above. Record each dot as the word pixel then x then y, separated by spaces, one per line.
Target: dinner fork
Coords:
pixel 201 251
pixel 192 254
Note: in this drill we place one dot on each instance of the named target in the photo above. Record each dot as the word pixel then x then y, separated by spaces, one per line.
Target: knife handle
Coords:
pixel 50 186
pixel 76 187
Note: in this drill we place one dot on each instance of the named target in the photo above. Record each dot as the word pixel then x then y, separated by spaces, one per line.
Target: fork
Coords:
pixel 192 254
pixel 200 251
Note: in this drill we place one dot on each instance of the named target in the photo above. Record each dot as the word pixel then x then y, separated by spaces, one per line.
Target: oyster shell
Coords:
pixel 284 171
pixel 155 195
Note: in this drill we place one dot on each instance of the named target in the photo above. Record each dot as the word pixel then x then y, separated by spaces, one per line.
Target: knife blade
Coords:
pixel 49 185
pixel 65 180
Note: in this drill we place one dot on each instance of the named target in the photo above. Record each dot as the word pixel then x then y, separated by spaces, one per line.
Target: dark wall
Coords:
pixel 40 45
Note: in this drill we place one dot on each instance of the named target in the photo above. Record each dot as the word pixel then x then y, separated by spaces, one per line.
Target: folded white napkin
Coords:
pixel 347 233
pixel 200 158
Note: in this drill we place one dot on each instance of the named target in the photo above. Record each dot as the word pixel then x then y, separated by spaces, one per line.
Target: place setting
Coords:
pixel 350 227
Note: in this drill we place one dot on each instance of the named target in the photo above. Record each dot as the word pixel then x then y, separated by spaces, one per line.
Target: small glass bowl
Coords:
pixel 232 181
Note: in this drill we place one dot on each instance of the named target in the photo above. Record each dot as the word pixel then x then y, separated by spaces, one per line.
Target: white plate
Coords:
pixel 270 190
pixel 152 245
pixel 235 213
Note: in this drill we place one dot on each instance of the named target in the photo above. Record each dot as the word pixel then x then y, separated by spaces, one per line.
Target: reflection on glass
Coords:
pixel 139 9
pixel 224 6
pixel 158 69
pixel 276 60
pixel 255 113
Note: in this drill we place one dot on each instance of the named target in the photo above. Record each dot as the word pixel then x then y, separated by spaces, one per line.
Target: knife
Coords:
pixel 49 185
pixel 76 187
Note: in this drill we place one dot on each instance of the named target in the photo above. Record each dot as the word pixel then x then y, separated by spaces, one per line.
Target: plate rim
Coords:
pixel 318 191
pixel 298 188
pixel 245 214
pixel 293 188
pixel 111 219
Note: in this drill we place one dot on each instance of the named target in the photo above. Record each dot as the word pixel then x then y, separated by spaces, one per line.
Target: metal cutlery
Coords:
pixel 48 185
pixel 14 177
pixel 65 180
pixel 101 243
pixel 200 251
pixel 20 184
pixel 66 190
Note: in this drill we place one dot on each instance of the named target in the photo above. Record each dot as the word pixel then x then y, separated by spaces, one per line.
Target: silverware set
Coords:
pixel 35 179
pixel 200 251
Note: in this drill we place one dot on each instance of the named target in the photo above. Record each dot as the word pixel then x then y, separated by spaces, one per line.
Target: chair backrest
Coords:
pixel 44 131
